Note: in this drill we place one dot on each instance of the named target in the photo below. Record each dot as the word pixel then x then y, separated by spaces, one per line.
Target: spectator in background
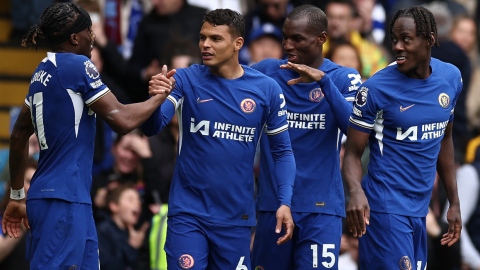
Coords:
pixel 345 54
pixel 12 251
pixel 372 20
pixel 464 34
pixel 451 53
pixel 25 13
pixel 264 42
pixel 118 240
pixel 267 11
pixel 168 19
pixel 342 24
pixel 127 151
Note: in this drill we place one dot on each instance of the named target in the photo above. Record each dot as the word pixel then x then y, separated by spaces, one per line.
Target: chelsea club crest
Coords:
pixel 444 100
pixel 405 263
pixel 316 95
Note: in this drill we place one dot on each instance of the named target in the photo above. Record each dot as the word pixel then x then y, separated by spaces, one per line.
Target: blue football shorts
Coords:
pixel 394 242
pixel 193 243
pixel 315 243
pixel 63 235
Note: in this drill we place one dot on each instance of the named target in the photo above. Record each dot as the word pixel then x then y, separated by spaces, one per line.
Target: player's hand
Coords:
pixel 358 214
pixel 12 218
pixel 307 74
pixel 454 226
pixel 135 238
pixel 284 218
pixel 162 82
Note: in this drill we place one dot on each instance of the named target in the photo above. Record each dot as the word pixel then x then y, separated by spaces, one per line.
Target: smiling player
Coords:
pixel 222 109
pixel 409 107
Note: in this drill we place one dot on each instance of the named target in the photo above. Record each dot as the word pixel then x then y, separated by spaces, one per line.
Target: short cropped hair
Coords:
pixel 228 17
pixel 424 21
pixel 315 16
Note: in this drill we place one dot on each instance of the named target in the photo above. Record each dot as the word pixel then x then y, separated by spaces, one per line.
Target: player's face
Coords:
pixel 301 44
pixel 129 207
pixel 86 38
pixel 412 52
pixel 217 45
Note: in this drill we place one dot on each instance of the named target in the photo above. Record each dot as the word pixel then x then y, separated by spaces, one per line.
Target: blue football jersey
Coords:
pixel 60 88
pixel 315 135
pixel 220 123
pixel 406 119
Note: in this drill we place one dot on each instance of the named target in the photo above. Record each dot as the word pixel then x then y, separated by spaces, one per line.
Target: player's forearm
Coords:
pixel 340 106
pixel 446 170
pixel 18 153
pixel 352 172
pixel 285 167
pixel 159 119
pixel 128 117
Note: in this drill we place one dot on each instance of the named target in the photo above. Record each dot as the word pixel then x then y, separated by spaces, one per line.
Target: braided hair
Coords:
pixel 424 21
pixel 54 20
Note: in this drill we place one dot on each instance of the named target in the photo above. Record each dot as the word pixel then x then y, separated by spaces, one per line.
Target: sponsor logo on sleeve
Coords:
pixel 91 70
pixel 361 97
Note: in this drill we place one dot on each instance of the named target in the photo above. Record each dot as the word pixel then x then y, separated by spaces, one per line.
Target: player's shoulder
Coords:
pixel 193 73
pixel 258 79
pixel 268 65
pixel 335 70
pixel 446 71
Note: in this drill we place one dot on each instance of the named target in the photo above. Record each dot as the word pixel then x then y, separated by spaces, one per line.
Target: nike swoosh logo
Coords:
pixel 406 108
pixel 202 101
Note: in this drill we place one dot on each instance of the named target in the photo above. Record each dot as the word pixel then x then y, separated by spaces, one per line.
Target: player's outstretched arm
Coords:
pixel 340 106
pixel 446 171
pixel 16 209
pixel 358 210
pixel 124 118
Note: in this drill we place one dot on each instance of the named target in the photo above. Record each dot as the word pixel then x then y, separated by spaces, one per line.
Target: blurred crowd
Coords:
pixel 132 173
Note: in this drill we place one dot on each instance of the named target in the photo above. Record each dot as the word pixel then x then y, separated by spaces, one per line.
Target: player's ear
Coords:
pixel 238 43
pixel 322 38
pixel 74 39
pixel 431 39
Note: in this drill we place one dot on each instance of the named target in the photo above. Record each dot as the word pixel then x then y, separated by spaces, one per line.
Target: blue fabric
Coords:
pixel 406 119
pixel 63 235
pixel 394 242
pixel 220 123
pixel 62 87
pixel 321 231
pixel 316 113
pixel 196 244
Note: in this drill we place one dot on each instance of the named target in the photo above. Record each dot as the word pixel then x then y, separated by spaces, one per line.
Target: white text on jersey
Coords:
pixel 40 77
pixel 306 121
pixel 224 131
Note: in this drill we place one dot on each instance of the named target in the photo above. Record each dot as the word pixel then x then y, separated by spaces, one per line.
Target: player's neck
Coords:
pixel 422 72
pixel 228 71
pixel 318 62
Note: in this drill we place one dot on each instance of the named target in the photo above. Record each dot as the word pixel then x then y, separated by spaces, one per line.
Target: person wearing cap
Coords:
pixel 65 93
pixel 264 42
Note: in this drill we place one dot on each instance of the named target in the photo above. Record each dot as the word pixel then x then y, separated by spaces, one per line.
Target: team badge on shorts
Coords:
pixel 259 268
pixel 405 263
pixel 444 100
pixel 316 95
pixel 186 261
pixel 91 70
pixel 73 267
pixel 248 105
pixel 361 98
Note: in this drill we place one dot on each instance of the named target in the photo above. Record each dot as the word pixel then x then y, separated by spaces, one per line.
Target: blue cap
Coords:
pixel 266 29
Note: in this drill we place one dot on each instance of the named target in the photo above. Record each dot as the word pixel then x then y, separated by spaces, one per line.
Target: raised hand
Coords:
pixel 162 82
pixel 135 238
pixel 307 74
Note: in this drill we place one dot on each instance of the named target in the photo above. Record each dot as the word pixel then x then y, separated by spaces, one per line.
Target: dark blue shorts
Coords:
pixel 196 244
pixel 63 235
pixel 394 242
pixel 315 243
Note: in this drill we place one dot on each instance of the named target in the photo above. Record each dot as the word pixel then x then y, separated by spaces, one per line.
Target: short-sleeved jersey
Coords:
pixel 60 88
pixel 220 123
pixel 406 119
pixel 315 137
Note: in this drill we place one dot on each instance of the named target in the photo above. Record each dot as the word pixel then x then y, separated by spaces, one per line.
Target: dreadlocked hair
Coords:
pixel 54 20
pixel 424 21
